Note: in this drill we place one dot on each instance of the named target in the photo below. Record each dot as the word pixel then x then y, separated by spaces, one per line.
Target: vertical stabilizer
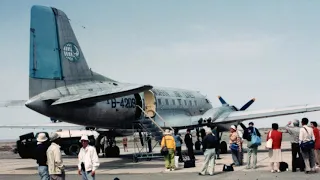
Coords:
pixel 56 58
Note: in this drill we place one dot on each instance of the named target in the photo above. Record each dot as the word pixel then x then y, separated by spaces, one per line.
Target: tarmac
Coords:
pixel 13 167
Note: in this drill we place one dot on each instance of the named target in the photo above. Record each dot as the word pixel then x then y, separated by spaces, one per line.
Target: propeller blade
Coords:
pixel 244 107
pixel 222 100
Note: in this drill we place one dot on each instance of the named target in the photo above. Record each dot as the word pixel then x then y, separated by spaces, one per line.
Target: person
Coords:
pixel 295 148
pixel 209 143
pixel 125 144
pixel 41 156
pixel 189 144
pixel 217 149
pixel 169 142
pixel 275 154
pixel 88 160
pixel 235 141
pixel 316 133
pixel 55 163
pixel 178 141
pixel 252 149
pixel 305 135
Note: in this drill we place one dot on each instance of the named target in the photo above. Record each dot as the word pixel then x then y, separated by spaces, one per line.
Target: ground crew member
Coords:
pixel 55 163
pixel 41 156
pixel 88 160
pixel 168 141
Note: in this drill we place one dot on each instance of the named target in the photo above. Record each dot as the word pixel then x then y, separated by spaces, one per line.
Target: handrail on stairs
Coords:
pixel 154 122
pixel 163 120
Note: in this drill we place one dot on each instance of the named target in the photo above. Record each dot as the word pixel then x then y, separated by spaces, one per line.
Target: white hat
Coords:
pixel 167 132
pixel 233 127
pixel 54 136
pixel 42 137
pixel 84 138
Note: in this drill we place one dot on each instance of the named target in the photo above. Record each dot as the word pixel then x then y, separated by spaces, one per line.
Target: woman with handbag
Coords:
pixel 275 153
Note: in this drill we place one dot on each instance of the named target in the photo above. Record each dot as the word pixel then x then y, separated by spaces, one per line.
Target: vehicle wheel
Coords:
pixel 66 151
pixel 74 149
pixel 223 147
pixel 23 155
pixel 116 150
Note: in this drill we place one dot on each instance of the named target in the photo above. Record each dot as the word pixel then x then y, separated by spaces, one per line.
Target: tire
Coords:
pixel 223 147
pixel 74 149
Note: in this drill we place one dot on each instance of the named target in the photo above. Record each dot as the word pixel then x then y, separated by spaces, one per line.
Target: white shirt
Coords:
pixel 305 136
pixel 89 157
pixel 54 160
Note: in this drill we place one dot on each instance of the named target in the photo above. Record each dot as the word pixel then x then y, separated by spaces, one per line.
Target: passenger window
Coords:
pixel 159 101
pixel 190 103
pixel 179 100
pixel 167 102
pixel 195 102
pixel 173 102
pixel 185 102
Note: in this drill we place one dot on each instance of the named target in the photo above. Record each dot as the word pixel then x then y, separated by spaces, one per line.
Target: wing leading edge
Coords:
pixel 257 114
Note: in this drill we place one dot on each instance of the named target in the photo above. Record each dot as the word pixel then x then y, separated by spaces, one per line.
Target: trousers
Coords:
pixel 209 161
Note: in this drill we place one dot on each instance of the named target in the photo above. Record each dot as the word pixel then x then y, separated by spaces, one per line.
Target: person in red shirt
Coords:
pixel 316 133
pixel 275 154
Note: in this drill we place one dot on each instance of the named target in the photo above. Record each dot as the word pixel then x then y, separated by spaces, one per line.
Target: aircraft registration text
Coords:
pixel 124 103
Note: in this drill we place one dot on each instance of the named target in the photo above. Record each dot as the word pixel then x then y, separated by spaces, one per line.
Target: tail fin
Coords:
pixel 56 58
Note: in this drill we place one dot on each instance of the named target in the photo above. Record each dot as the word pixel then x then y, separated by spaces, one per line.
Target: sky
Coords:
pixel 268 50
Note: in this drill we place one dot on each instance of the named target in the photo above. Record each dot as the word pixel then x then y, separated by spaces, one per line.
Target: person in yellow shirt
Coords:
pixel 168 141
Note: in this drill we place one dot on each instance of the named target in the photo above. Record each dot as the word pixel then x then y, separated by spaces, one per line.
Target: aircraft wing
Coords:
pixel 53 126
pixel 238 116
pixel 102 94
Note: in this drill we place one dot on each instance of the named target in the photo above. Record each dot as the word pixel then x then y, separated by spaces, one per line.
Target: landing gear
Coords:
pixel 197 144
pixel 108 146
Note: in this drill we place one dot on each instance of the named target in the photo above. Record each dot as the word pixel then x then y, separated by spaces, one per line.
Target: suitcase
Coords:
pixel 189 163
pixel 227 168
pixel 283 166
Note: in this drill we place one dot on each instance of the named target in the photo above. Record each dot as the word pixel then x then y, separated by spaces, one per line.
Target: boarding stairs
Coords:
pixel 148 126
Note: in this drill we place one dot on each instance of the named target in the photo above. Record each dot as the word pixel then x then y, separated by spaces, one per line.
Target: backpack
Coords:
pixel 255 140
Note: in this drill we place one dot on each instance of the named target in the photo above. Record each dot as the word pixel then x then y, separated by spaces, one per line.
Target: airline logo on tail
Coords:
pixel 71 52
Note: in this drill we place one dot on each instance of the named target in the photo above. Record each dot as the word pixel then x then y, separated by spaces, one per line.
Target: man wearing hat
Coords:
pixel 169 142
pixel 88 160
pixel 41 156
pixel 55 163
pixel 297 160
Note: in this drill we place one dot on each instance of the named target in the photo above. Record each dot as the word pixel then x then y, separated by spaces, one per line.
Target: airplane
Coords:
pixel 63 87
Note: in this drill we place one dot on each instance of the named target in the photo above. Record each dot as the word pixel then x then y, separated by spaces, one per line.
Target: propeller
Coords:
pixel 244 107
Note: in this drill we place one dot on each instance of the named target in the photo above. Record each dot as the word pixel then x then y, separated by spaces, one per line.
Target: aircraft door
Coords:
pixel 139 103
pixel 150 104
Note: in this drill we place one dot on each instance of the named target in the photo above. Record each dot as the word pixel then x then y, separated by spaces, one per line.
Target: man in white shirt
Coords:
pixel 305 135
pixel 88 160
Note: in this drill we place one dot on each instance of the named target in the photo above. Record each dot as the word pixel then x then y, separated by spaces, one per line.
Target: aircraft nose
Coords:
pixel 35 104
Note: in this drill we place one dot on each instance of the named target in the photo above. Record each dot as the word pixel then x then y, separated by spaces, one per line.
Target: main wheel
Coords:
pixel 223 147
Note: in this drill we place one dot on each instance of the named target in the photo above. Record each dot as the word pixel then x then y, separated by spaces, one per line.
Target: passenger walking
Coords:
pixel 297 160
pixel 305 136
pixel 217 149
pixel 209 144
pixel 169 142
pixel 316 133
pixel 275 154
pixel 41 156
pixel 55 163
pixel 178 141
pixel 189 144
pixel 88 160
pixel 235 146
pixel 252 148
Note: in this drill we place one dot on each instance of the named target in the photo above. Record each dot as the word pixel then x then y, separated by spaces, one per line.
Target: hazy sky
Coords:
pixel 239 50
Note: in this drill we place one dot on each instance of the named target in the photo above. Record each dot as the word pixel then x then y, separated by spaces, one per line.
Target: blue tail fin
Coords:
pixel 56 58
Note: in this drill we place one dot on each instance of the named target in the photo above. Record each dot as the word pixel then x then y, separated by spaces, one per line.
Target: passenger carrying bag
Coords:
pixel 255 140
pixel 234 147
pixel 305 146
pixel 269 142
pixel 164 150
